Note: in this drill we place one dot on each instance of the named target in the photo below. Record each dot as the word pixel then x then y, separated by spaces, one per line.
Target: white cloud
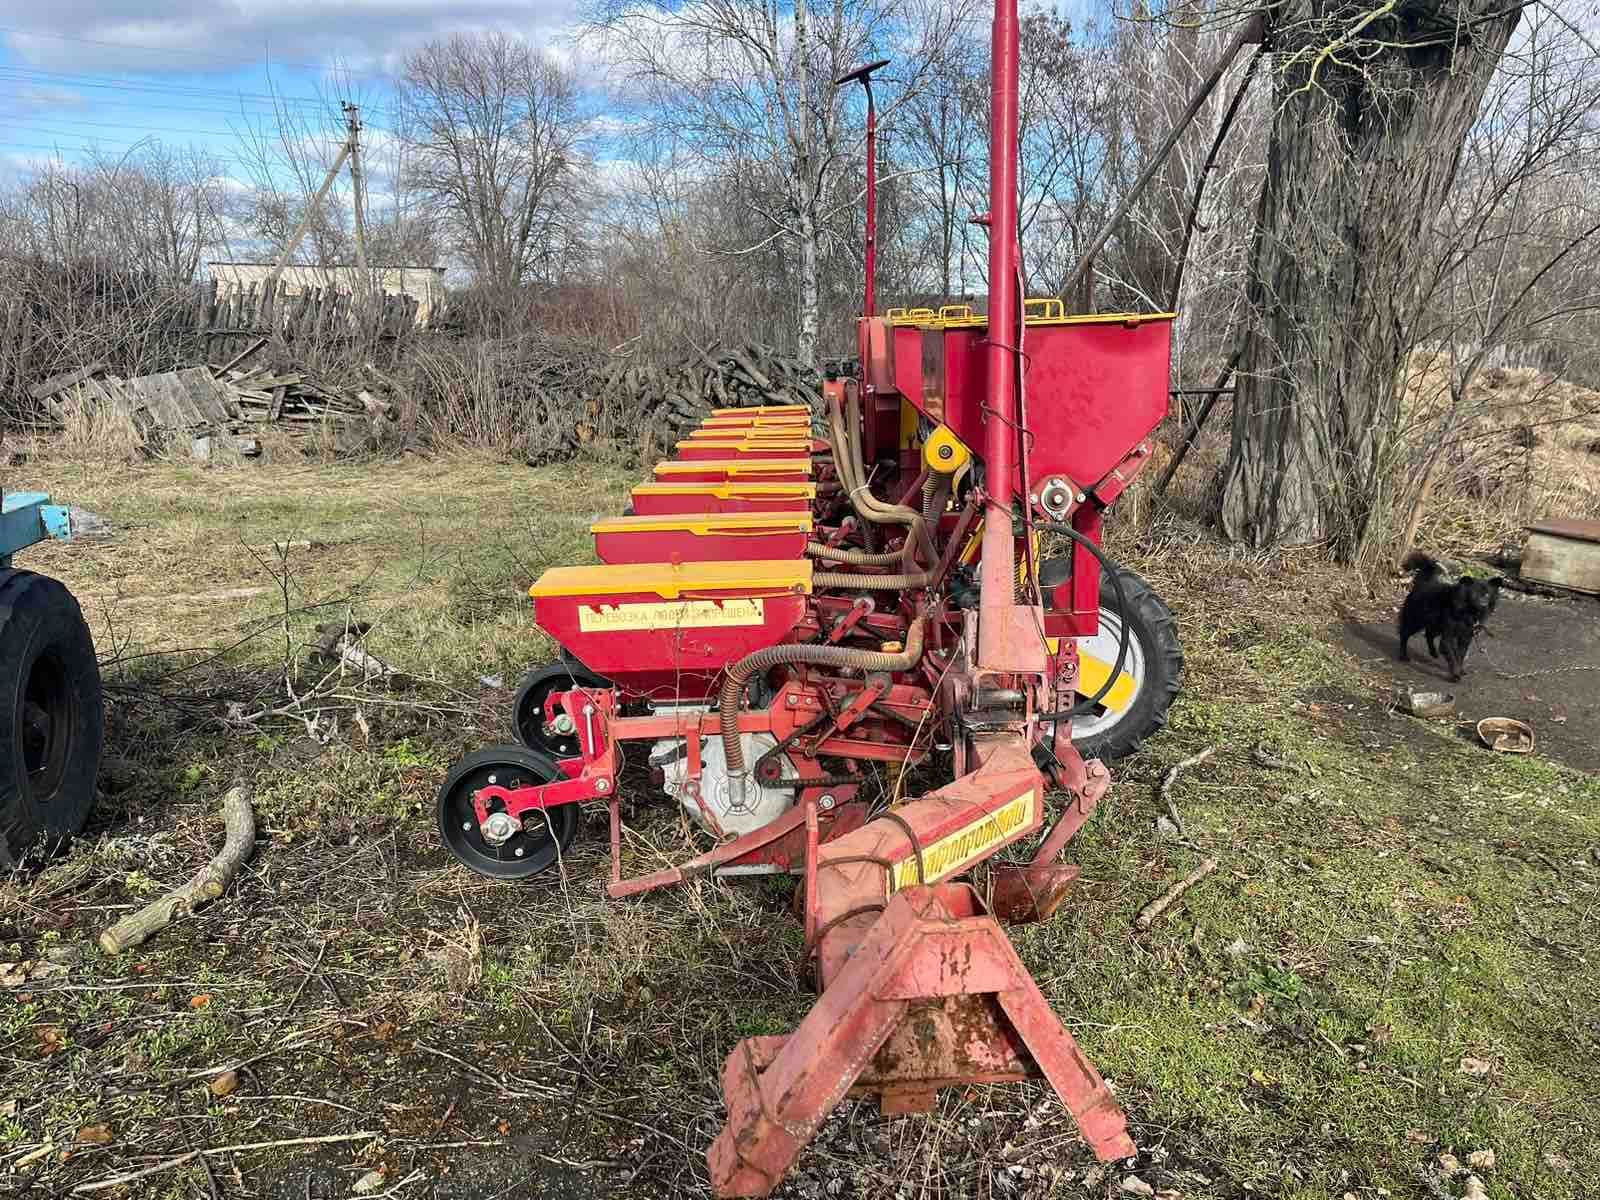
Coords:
pixel 119 36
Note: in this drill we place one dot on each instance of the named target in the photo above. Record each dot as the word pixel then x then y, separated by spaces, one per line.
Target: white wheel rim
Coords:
pixel 1103 645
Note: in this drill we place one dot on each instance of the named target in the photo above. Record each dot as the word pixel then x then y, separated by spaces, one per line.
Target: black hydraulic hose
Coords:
pixel 1106 565
pixel 837 657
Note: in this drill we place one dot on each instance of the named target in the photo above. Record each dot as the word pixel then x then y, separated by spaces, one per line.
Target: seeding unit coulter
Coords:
pixel 780 611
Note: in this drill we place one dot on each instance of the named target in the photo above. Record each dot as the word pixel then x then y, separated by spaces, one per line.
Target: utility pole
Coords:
pixel 351 151
pixel 358 186
pixel 293 243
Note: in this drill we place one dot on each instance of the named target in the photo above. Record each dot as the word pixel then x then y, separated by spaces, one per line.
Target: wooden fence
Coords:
pixel 166 329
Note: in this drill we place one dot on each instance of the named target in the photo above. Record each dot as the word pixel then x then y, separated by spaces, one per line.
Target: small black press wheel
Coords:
pixel 527 714
pixel 521 852
pixel 51 722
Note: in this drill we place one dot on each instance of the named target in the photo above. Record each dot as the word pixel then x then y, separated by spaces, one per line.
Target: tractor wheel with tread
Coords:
pixel 1154 665
pixel 543 839
pixel 51 720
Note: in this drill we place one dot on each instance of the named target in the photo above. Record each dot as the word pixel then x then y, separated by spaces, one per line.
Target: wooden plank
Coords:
pixel 276 410
pixel 205 394
pixel 66 379
pixel 1567 562
pixel 242 355
pixel 1565 527
pixel 179 396
pixel 159 399
pixel 118 397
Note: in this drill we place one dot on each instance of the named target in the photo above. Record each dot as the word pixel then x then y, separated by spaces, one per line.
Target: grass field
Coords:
pixel 1394 961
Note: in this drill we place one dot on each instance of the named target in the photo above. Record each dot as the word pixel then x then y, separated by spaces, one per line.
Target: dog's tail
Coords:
pixel 1421 564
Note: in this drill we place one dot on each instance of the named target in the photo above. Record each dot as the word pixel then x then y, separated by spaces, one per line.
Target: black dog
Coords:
pixel 1450 614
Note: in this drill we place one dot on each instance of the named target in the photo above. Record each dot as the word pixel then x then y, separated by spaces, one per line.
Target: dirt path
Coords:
pixel 1540 664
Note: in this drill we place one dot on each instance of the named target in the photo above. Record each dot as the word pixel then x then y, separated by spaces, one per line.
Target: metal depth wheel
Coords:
pixel 527 712
pixel 534 847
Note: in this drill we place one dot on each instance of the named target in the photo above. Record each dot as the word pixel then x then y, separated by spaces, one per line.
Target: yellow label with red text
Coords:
pixel 966 846
pixel 672 614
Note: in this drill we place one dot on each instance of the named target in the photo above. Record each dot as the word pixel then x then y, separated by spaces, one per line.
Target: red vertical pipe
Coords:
pixel 872 205
pixel 999 570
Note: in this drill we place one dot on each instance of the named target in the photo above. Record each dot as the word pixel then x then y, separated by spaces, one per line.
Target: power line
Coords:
pixel 82 80
pixel 57 148
pixel 28 120
pixel 126 126
pixel 61 37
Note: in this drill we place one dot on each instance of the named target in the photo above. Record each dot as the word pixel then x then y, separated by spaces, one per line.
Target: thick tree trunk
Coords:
pixel 1364 147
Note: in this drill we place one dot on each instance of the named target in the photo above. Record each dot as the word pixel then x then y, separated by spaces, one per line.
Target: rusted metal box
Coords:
pixel 1565 553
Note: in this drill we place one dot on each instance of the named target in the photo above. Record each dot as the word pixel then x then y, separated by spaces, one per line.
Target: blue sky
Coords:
pixel 83 74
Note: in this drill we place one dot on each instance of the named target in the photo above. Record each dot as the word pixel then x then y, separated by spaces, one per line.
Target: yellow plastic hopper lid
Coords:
pixel 741 445
pixel 706 524
pixel 794 431
pixel 731 491
pixel 769 424
pixel 762 410
pixel 738 466
pixel 671 580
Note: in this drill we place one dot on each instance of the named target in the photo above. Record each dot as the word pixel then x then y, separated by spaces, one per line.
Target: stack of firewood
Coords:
pixel 298 399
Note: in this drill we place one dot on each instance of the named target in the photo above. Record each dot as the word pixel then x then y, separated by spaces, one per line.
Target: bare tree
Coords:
pixel 496 144
pixel 748 88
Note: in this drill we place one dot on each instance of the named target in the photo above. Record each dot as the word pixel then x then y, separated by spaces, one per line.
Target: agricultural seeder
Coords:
pixel 785 628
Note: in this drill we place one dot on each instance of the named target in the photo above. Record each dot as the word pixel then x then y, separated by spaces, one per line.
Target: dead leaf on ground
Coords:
pixel 370 1182
pixel 384 1031
pixel 96 1135
pixel 51 1039
pixel 1481 1160
pixel 1476 1066
pixel 200 1001
pixel 225 1084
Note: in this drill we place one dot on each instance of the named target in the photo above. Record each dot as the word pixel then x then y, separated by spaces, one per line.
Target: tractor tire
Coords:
pixel 51 719
pixel 1154 661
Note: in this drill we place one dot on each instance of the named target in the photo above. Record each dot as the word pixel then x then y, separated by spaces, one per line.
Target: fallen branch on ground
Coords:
pixel 1148 914
pixel 1164 793
pixel 208 883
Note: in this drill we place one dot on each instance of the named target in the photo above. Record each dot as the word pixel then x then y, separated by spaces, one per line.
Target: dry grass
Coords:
pixel 1518 445
pixel 1293 1029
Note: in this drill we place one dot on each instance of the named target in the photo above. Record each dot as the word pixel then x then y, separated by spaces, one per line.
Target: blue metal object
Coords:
pixel 29 517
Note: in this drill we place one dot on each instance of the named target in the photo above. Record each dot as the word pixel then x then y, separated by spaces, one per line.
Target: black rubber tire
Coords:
pixel 527 711
pixel 1152 626
pixel 510 765
pixel 51 720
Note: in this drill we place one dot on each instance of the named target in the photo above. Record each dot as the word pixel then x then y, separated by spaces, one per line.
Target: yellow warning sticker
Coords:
pixel 673 614
pixel 965 846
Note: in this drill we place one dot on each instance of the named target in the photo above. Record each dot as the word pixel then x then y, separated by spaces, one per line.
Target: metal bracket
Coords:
pixel 27 518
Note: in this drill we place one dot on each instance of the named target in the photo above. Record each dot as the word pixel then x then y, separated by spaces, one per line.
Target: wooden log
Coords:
pixel 1148 914
pixel 209 883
